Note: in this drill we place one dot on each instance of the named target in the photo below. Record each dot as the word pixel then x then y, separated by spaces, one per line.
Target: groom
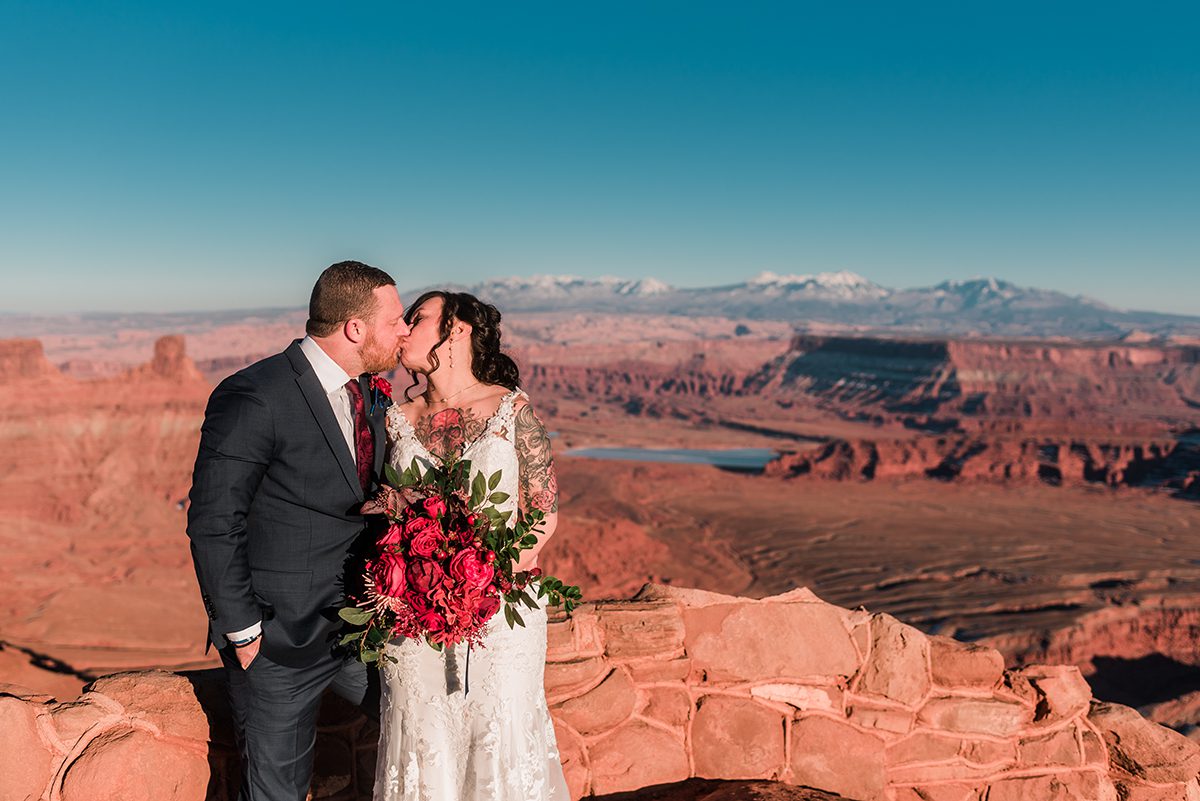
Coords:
pixel 290 448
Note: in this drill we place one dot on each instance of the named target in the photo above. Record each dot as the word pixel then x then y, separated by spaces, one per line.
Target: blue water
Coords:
pixel 751 459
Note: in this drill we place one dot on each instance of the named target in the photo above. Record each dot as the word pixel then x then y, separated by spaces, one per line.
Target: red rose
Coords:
pixel 431 621
pixel 388 574
pixel 535 572
pixel 424 576
pixel 471 569
pixel 434 507
pixel 393 536
pixel 418 523
pixel 416 600
pixel 486 607
pixel 425 536
pixel 382 385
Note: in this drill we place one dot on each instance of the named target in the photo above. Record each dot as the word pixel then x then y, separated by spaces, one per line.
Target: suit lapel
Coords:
pixel 318 403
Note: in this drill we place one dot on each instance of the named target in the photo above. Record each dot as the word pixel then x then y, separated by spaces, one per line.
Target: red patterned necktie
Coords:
pixel 364 440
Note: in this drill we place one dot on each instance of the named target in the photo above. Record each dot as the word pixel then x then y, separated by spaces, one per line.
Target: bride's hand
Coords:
pixel 528 560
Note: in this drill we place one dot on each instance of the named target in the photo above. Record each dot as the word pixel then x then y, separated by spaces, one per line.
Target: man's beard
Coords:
pixel 376 358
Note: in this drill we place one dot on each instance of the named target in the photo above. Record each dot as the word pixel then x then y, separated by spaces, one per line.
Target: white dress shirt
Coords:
pixel 333 380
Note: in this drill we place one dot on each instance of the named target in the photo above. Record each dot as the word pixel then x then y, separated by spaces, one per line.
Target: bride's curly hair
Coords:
pixel 488 364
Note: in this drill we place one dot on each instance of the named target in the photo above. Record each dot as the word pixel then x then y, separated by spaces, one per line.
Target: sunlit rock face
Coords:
pixel 24 360
pixel 94 475
pixel 675 685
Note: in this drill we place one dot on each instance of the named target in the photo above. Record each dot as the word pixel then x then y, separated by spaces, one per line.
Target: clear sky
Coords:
pixel 217 154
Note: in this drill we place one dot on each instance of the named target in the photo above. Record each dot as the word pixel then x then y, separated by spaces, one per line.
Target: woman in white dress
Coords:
pixel 461 725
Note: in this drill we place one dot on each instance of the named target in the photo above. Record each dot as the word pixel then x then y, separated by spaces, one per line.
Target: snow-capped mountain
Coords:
pixel 560 288
pixel 987 306
pixel 976 306
pixel 843 285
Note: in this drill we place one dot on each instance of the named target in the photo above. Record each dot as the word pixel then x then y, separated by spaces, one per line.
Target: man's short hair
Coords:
pixel 343 292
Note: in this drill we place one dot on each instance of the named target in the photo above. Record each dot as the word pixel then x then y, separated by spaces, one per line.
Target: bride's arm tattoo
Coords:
pixel 448 431
pixel 539 485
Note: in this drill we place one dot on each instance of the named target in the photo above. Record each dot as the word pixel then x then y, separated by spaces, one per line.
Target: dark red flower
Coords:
pixel 393 536
pixel 381 385
pixel 471 569
pixel 486 607
pixel 425 536
pixel 416 600
pixel 431 621
pixel 388 574
pixel 425 576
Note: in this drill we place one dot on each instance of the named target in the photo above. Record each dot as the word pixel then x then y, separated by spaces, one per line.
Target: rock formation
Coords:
pixel 170 362
pixel 24 360
pixel 671 685
pixel 92 478
pixel 939 385
pixel 1171 464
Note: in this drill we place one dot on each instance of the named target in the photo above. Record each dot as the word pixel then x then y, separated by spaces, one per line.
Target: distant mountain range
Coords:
pixel 838 300
pixel 980 306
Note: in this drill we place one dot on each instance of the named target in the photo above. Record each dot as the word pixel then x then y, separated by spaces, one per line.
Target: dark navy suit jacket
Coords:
pixel 273 521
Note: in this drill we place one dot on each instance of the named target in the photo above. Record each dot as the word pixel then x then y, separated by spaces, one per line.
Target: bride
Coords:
pixel 470 723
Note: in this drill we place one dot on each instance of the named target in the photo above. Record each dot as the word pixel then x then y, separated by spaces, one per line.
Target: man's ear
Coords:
pixel 355 330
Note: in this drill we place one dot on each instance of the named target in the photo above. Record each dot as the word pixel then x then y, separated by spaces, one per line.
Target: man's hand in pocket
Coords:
pixel 248 653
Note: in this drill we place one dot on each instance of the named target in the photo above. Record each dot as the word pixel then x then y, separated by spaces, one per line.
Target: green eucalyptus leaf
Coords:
pixel 498 497
pixel 494 481
pixel 354 615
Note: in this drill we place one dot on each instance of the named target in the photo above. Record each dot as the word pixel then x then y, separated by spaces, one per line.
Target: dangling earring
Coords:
pixel 452 353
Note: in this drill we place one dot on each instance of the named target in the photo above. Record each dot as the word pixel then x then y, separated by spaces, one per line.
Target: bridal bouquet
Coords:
pixel 446 562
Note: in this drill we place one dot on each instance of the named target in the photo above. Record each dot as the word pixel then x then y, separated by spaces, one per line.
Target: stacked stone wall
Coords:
pixel 671 685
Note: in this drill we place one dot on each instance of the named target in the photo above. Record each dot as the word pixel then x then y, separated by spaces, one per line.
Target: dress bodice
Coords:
pixel 494 448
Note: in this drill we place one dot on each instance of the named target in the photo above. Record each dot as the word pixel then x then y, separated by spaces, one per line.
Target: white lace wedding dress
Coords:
pixel 453 730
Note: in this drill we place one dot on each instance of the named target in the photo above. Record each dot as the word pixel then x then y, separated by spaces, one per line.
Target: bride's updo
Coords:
pixel 488 364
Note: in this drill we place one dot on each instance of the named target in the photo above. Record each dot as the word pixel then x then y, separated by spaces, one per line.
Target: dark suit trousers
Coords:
pixel 275 713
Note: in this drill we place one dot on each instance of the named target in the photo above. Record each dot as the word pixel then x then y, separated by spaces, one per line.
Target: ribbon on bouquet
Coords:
pixel 451 670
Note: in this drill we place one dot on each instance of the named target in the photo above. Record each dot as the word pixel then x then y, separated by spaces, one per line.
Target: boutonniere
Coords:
pixel 379 386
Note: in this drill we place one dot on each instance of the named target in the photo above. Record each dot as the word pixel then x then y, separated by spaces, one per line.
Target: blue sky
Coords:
pixel 219 154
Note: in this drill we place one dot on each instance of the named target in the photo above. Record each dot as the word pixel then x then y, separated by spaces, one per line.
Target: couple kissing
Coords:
pixel 290 450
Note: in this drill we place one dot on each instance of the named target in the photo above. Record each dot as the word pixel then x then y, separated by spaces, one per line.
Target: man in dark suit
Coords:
pixel 290 448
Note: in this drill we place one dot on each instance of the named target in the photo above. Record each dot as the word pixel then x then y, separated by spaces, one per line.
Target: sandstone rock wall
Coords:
pixel 973 385
pixel 1172 464
pixel 670 685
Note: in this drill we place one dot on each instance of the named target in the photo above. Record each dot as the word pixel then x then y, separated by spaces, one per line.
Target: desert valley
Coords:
pixel 1000 471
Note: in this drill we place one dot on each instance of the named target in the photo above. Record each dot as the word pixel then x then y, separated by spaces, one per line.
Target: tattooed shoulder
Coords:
pixel 538 483
pixel 448 431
